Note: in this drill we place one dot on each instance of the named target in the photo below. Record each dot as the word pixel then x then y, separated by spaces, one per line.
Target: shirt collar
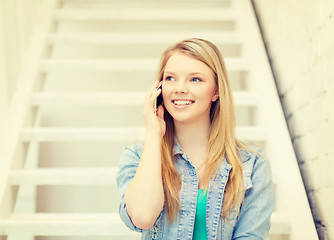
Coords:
pixel 177 147
pixel 244 155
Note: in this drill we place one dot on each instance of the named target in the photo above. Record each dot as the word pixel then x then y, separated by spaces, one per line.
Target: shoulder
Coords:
pixel 257 171
pixel 249 153
pixel 128 163
pixel 252 157
pixel 132 153
pixel 136 148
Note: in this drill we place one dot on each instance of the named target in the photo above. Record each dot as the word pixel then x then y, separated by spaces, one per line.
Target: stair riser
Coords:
pixel 117 134
pixel 78 50
pixel 122 65
pixel 118 115
pixel 148 26
pixel 71 80
pixel 184 4
pixel 142 14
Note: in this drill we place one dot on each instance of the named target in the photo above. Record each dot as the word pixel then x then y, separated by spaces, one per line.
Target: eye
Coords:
pixel 169 78
pixel 196 79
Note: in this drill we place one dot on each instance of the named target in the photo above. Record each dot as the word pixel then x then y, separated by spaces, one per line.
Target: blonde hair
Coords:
pixel 222 140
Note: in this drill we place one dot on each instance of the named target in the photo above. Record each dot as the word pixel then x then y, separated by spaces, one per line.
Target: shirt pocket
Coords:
pixel 226 226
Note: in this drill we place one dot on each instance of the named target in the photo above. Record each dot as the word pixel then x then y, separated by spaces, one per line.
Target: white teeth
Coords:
pixel 182 102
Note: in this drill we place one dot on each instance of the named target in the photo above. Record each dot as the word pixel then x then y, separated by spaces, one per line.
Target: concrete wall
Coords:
pixel 300 40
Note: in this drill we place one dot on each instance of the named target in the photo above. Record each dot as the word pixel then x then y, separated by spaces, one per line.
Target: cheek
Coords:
pixel 206 93
pixel 165 92
pixel 164 96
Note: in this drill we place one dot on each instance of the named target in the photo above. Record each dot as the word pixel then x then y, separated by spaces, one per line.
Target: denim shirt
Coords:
pixel 252 221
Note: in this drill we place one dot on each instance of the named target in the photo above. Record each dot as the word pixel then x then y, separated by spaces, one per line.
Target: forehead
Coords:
pixel 182 63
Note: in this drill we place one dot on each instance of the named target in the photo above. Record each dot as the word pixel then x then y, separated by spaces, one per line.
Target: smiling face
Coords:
pixel 188 89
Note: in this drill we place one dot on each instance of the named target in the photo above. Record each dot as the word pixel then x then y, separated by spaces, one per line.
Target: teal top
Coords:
pixel 200 218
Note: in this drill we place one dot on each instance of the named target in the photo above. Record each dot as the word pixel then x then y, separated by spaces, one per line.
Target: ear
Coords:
pixel 215 95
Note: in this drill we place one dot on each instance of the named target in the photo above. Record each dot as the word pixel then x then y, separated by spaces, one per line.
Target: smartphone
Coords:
pixel 159 99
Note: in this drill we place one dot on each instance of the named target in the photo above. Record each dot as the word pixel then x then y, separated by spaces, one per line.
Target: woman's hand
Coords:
pixel 144 196
pixel 154 121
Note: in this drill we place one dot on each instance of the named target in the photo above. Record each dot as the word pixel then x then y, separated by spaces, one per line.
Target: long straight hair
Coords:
pixel 222 140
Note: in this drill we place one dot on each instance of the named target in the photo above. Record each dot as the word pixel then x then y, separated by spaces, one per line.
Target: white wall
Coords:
pixel 300 40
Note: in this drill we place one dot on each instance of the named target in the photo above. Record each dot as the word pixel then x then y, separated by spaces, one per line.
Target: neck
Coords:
pixel 193 135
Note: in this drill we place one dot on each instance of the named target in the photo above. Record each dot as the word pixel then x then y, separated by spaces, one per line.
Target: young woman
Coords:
pixel 192 178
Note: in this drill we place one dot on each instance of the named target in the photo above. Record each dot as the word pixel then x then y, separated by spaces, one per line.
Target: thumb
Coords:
pixel 160 112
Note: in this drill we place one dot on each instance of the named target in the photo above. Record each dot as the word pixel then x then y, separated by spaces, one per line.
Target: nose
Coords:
pixel 181 87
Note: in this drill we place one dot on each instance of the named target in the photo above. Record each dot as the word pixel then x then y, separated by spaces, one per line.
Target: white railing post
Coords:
pixel 16 22
pixel 3 78
pixel 12 150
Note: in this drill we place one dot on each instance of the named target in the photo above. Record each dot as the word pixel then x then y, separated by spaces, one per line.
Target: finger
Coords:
pixel 151 89
pixel 161 112
pixel 151 99
pixel 155 93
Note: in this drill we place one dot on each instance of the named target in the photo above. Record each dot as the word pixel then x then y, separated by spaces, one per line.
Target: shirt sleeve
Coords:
pixel 127 169
pixel 253 222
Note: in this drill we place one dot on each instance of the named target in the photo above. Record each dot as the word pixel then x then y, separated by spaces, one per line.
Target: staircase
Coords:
pixel 79 103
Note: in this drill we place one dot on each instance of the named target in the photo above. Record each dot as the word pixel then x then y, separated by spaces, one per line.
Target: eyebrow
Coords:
pixel 190 74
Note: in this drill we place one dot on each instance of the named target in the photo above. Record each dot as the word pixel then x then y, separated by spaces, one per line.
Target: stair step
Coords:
pixel 142 37
pixel 148 4
pixel 116 98
pixel 126 2
pixel 125 65
pixel 279 225
pixel 243 98
pixel 49 224
pixel 83 134
pixel 97 224
pixel 64 176
pixel 151 14
pixel 68 176
pixel 115 134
